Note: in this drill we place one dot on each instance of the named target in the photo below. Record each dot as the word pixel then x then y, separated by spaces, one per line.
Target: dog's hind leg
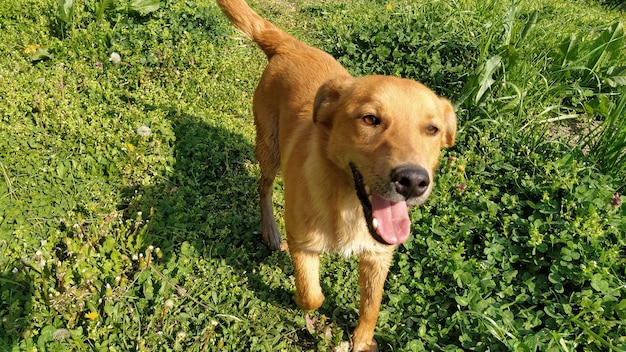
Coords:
pixel 269 160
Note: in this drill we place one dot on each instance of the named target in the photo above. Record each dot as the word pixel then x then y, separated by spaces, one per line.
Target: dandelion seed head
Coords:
pixel 61 334
pixel 144 131
pixel 115 58
pixel 169 304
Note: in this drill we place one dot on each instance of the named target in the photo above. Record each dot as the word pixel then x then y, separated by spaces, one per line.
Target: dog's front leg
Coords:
pixel 373 268
pixel 306 265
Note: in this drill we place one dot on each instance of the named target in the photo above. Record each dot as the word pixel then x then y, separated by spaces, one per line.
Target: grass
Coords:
pixel 116 240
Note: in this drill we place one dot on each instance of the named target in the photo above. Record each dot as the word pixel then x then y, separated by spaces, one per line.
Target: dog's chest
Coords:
pixel 350 235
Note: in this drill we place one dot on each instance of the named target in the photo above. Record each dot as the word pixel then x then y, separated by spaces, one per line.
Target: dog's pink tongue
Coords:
pixel 392 219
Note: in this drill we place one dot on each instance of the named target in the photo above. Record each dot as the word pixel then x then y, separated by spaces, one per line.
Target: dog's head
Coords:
pixel 387 133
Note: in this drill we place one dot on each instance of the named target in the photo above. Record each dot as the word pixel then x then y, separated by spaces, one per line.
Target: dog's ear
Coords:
pixel 325 101
pixel 450 118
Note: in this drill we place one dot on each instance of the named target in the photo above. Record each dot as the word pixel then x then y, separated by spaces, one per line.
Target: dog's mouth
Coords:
pixel 387 221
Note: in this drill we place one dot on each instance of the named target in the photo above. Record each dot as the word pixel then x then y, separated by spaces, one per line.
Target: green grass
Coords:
pixel 110 240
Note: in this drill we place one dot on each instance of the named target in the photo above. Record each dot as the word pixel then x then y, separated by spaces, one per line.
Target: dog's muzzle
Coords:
pixel 387 215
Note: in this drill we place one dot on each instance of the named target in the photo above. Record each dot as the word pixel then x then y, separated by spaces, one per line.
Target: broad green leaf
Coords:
pixel 620 308
pixel 65 10
pixel 509 22
pixel 569 49
pixel 486 75
pixel 599 284
pixel 461 300
pixel 102 6
pixel 40 54
pixel 45 335
pixel 606 47
pixel 530 24
pixel 148 289
pixel 144 7
pixel 617 76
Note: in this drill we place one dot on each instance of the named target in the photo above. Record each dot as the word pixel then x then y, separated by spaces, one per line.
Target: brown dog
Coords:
pixel 354 153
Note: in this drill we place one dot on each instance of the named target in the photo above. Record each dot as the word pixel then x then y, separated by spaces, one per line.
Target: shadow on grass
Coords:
pixel 16 290
pixel 210 201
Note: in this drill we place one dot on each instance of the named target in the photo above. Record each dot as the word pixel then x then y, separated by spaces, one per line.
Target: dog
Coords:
pixel 355 153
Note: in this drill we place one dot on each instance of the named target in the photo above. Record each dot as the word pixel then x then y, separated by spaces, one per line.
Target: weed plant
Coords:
pixel 128 209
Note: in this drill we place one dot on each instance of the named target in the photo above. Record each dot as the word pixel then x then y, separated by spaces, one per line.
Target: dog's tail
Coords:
pixel 267 36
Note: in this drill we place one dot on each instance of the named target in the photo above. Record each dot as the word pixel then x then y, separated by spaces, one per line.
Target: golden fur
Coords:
pixel 330 133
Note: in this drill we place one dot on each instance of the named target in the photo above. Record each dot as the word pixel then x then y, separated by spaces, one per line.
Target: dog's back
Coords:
pixel 287 89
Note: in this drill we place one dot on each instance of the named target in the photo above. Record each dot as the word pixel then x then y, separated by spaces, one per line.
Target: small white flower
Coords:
pixel 115 58
pixel 144 131
pixel 169 304
pixel 61 334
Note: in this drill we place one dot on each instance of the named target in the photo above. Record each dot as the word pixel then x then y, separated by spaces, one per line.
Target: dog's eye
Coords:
pixel 432 130
pixel 371 120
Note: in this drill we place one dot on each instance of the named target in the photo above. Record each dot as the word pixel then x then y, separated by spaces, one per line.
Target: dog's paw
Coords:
pixel 272 243
pixel 311 302
pixel 343 346
pixel 271 236
pixel 365 346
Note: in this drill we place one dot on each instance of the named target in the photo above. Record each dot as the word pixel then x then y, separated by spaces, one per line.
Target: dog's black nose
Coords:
pixel 410 181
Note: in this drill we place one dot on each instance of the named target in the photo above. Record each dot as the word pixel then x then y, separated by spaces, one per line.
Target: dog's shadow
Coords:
pixel 207 200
